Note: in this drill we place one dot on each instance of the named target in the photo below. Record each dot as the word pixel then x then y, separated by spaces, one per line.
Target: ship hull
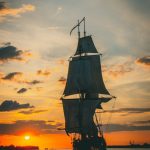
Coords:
pixel 90 148
pixel 97 143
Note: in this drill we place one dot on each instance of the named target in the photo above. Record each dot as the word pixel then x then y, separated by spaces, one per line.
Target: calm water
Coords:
pixel 117 149
pixel 127 148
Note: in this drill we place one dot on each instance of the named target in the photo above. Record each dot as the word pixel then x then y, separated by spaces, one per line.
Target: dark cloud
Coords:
pixel 3 5
pixel 62 80
pixel 12 75
pixel 129 110
pixel 33 126
pixel 43 72
pixel 9 105
pixel 123 127
pixel 22 90
pixel 19 78
pixel 9 53
pixel 43 127
pixel 144 61
pixel 142 122
pixel 32 111
pixel 47 127
pixel 33 82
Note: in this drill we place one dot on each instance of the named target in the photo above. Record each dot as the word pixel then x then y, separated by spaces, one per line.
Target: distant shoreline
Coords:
pixel 12 147
pixel 130 146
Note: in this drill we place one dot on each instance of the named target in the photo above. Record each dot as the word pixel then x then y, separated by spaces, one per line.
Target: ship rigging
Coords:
pixel 83 94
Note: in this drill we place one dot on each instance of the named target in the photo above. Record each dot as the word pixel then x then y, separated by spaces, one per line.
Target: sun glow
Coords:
pixel 27 137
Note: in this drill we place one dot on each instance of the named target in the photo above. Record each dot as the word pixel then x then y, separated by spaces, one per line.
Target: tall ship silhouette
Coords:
pixel 83 94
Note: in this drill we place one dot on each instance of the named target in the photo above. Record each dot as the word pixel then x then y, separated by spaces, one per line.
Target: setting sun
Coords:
pixel 27 137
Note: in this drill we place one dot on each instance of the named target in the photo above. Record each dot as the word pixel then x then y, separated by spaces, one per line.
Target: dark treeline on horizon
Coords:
pixel 12 147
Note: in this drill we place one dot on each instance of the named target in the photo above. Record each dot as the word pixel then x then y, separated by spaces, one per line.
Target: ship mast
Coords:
pixel 85 80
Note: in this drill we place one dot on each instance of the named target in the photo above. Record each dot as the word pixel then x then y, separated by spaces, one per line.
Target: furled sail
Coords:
pixel 84 76
pixel 86 45
pixel 77 116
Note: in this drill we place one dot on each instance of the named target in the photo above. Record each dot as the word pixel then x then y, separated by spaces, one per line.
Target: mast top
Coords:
pixel 78 25
pixel 86 45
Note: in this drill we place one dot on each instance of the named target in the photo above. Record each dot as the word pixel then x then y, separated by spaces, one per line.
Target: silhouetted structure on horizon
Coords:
pixel 145 145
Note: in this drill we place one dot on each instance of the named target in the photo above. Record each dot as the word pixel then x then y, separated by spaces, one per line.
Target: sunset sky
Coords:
pixel 34 49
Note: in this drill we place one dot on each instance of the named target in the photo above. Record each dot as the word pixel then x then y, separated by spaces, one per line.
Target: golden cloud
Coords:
pixel 61 61
pixel 16 11
pixel 43 72
pixel 1 74
pixel 116 71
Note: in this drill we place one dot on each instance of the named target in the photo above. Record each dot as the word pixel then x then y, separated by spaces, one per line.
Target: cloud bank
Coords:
pixel 129 110
pixel 5 10
pixel 9 105
pixel 124 127
pixel 9 52
pixel 18 77
pixel 48 127
pixel 33 126
pixel 31 111
pixel 43 72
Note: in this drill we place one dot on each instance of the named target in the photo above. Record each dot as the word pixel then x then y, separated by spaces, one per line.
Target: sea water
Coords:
pixel 128 148
pixel 117 149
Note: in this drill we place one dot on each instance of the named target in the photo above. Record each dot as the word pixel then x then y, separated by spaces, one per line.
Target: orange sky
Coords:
pixel 34 49
pixel 63 141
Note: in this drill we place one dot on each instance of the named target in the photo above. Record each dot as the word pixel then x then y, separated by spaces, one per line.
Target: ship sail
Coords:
pixel 71 112
pixel 77 116
pixel 86 45
pixel 84 75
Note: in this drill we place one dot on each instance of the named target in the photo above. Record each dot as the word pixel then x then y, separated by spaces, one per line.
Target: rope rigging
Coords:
pixel 99 119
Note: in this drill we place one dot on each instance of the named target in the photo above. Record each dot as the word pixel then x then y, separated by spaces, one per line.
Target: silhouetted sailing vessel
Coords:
pixel 83 94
